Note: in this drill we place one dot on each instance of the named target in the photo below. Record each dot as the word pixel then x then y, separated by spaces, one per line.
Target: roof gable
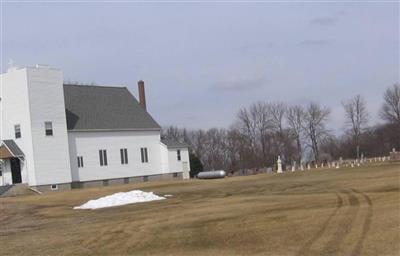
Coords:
pixel 9 149
pixel 171 143
pixel 104 108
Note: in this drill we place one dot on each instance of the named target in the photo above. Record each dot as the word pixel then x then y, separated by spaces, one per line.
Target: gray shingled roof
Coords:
pixel 170 143
pixel 13 147
pixel 104 108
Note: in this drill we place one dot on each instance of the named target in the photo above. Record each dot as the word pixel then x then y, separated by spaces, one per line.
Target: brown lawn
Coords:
pixel 353 211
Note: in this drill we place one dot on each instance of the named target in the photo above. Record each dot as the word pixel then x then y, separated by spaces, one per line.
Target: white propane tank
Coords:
pixel 211 175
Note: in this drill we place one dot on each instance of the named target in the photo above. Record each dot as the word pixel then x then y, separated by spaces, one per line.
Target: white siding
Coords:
pixel 46 102
pixel 88 144
pixel 6 178
pixel 14 109
pixel 164 158
pixel 178 166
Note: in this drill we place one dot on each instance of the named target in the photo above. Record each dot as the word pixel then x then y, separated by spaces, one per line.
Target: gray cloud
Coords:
pixel 324 21
pixel 255 47
pixel 240 84
pixel 316 42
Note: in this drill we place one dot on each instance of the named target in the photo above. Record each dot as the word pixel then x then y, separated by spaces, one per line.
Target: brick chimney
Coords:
pixel 142 96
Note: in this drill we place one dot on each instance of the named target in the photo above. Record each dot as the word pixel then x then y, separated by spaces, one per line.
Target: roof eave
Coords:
pixel 114 130
pixel 175 147
pixel 2 143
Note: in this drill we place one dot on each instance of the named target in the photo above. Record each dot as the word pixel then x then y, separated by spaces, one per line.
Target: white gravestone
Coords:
pixel 279 163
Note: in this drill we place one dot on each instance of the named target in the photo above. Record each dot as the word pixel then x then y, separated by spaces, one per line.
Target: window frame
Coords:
pixel 48 132
pixel 178 155
pixel 80 162
pixel 17 134
pixel 124 156
pixel 144 155
pixel 103 157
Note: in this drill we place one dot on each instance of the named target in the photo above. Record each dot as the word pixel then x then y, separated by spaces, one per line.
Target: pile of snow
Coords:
pixel 121 198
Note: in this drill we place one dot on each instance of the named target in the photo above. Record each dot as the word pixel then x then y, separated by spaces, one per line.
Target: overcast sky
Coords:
pixel 201 62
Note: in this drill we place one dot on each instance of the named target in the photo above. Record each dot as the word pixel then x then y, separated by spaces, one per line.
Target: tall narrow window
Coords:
pixel 17 130
pixel 80 161
pixel 178 155
pixel 124 155
pixel 48 126
pixel 143 153
pixel 103 157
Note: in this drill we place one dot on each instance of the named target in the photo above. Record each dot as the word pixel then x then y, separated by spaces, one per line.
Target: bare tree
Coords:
pixel 277 111
pixel 262 125
pixel 280 139
pixel 254 124
pixel 314 126
pixel 263 130
pixel 262 119
pixel 216 155
pixel 172 132
pixel 356 119
pixel 197 143
pixel 295 117
pixel 246 125
pixel 391 107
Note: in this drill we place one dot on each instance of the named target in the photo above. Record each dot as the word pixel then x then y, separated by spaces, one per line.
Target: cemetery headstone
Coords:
pixel 279 163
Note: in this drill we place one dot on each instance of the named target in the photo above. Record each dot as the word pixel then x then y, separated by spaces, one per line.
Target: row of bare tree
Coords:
pixel 298 133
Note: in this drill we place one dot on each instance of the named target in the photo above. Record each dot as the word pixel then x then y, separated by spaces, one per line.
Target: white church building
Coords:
pixel 57 136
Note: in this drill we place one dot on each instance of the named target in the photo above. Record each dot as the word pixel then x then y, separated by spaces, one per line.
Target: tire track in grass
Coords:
pixel 344 226
pixel 366 226
pixel 306 247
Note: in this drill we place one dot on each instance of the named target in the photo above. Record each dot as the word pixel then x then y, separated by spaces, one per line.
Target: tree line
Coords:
pixel 298 133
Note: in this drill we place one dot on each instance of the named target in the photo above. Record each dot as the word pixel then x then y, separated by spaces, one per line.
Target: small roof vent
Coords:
pixel 42 66
pixel 11 66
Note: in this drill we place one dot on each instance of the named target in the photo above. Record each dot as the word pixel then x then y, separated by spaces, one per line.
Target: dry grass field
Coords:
pixel 349 211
